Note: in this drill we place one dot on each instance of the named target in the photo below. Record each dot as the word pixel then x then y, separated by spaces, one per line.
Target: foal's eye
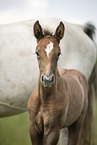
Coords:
pixel 37 53
pixel 59 53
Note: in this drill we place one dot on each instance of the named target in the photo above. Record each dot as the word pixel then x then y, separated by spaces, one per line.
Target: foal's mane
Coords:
pixel 47 33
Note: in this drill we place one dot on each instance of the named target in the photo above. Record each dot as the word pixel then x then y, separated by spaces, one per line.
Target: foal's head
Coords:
pixel 48 52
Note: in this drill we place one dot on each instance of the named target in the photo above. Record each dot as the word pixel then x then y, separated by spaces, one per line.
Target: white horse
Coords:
pixel 18 65
pixel 18 69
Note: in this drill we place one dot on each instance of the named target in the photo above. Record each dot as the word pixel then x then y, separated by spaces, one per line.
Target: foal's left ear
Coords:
pixel 38 31
pixel 59 32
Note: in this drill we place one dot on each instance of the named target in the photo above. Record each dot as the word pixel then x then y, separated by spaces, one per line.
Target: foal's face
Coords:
pixel 48 52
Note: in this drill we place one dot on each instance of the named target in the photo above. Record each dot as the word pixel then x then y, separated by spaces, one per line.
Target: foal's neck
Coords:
pixel 48 94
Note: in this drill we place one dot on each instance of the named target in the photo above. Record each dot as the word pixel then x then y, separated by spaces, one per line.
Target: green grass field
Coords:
pixel 15 130
pixel 96 120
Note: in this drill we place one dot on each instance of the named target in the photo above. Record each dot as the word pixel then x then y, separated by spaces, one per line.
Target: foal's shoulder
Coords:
pixel 72 76
pixel 71 73
pixel 62 72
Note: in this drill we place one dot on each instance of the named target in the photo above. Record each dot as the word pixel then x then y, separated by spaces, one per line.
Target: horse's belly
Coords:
pixel 72 116
pixel 75 107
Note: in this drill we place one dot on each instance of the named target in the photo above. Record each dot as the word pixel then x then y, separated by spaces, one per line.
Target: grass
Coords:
pixel 96 120
pixel 15 130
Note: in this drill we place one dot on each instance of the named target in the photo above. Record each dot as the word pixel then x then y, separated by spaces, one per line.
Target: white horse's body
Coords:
pixel 18 64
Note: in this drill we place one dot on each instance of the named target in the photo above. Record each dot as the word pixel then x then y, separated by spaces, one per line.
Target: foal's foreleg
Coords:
pixel 52 137
pixel 36 137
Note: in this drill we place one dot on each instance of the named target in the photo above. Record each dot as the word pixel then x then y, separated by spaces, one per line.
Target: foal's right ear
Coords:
pixel 38 31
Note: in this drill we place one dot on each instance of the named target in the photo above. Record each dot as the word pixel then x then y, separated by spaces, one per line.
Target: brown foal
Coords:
pixel 60 98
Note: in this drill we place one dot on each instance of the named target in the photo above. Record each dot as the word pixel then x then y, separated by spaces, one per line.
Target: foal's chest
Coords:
pixel 46 117
pixel 42 118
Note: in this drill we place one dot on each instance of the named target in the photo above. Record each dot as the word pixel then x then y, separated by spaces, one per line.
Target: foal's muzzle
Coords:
pixel 47 81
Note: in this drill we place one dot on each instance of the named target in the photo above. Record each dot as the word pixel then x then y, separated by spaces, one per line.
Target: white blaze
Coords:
pixel 49 48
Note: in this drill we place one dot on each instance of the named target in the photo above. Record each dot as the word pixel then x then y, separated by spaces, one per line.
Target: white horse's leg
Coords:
pixel 63 140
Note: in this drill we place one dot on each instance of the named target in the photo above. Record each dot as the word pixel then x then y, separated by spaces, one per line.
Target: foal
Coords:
pixel 60 98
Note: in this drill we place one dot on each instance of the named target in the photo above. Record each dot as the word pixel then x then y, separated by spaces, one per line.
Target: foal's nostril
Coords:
pixel 47 79
pixel 42 78
pixel 53 78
